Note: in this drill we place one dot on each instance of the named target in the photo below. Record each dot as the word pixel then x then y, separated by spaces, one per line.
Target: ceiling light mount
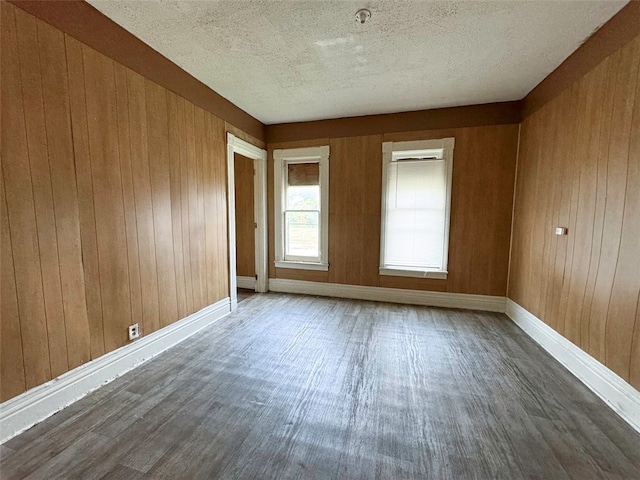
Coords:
pixel 363 15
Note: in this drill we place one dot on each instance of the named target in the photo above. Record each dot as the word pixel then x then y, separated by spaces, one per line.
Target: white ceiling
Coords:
pixel 285 61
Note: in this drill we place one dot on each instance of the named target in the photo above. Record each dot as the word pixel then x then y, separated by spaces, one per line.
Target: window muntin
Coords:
pixel 416 207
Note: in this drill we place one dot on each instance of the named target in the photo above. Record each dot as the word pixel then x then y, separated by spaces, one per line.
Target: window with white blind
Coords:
pixel 301 181
pixel 416 201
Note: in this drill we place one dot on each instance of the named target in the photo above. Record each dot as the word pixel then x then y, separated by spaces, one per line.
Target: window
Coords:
pixel 416 203
pixel 301 204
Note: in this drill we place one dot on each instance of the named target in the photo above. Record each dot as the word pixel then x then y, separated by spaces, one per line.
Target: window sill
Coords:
pixel 302 265
pixel 396 272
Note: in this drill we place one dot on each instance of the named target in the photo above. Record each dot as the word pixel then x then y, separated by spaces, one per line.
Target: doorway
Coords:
pixel 247 217
pixel 244 173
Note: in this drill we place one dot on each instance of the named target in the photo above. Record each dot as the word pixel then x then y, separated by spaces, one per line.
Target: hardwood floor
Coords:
pixel 304 387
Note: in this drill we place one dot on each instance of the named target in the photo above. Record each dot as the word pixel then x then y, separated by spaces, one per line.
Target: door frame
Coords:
pixel 259 157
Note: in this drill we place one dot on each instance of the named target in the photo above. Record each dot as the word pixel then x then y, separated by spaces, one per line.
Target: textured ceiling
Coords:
pixel 284 61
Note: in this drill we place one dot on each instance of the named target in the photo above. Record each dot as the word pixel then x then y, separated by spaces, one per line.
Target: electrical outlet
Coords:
pixel 134 331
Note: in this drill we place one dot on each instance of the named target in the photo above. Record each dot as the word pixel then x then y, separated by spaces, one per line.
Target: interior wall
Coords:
pixel 579 168
pixel 245 217
pixel 481 207
pixel 113 204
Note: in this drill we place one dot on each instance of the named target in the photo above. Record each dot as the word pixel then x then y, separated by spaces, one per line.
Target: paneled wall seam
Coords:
pixel 20 73
pixel 22 344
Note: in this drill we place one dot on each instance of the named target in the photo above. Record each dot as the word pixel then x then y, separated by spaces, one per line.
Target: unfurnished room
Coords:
pixel 320 239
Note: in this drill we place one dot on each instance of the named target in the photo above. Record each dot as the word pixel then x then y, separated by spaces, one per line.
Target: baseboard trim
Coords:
pixel 33 406
pixel 393 295
pixel 611 388
pixel 248 283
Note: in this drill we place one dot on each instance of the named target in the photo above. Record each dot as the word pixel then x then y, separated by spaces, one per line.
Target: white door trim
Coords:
pixel 259 156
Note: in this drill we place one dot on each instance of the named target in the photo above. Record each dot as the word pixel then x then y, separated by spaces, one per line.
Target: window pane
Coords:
pixel 416 214
pixel 302 234
pixel 303 198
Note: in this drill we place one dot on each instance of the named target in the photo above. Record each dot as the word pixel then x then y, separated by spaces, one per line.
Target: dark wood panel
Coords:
pixel 100 93
pixel 65 195
pixel 501 113
pixel 245 230
pixel 128 191
pixel 88 231
pixel 12 380
pixel 176 158
pixel 331 388
pixel 582 146
pixel 141 171
pixel 158 131
pixel 37 134
pixel 18 186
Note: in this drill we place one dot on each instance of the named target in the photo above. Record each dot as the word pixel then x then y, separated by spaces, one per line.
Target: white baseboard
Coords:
pixel 248 283
pixel 33 406
pixel 394 295
pixel 612 389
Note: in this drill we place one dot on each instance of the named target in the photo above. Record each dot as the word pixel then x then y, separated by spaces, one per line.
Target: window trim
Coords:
pixel 390 152
pixel 281 158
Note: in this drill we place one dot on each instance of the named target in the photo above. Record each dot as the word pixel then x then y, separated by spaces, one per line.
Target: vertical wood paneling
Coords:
pixel 65 194
pixel 84 182
pixel 184 196
pixel 590 291
pixel 113 204
pixel 138 134
pixel 21 210
pixel 158 130
pixel 175 162
pixel 128 191
pixel 12 380
pixel 626 282
pixel 245 230
pixel 210 203
pixel 34 114
pixel 198 137
pixel 100 92
pixel 220 191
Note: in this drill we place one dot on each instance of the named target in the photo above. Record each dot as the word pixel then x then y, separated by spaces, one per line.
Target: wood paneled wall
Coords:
pixel 482 194
pixel 245 217
pixel 113 204
pixel 579 167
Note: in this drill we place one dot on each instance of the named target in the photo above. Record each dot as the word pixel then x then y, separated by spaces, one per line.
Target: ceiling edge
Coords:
pixel 501 113
pixel 622 28
pixel 89 26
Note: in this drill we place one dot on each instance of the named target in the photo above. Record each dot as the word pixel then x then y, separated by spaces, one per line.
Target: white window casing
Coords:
pixel 416 208
pixel 282 159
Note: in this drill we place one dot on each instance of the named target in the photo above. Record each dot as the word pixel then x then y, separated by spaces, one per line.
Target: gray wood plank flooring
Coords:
pixel 318 388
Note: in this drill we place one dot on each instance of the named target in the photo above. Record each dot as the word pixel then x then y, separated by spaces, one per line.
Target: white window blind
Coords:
pixel 415 223
pixel 416 201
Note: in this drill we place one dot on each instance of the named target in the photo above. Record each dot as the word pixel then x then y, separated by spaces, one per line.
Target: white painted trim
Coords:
pixel 33 406
pixel 237 145
pixel 248 283
pixel 302 265
pixel 612 389
pixel 397 272
pixel 281 158
pixel 394 295
pixel 260 212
